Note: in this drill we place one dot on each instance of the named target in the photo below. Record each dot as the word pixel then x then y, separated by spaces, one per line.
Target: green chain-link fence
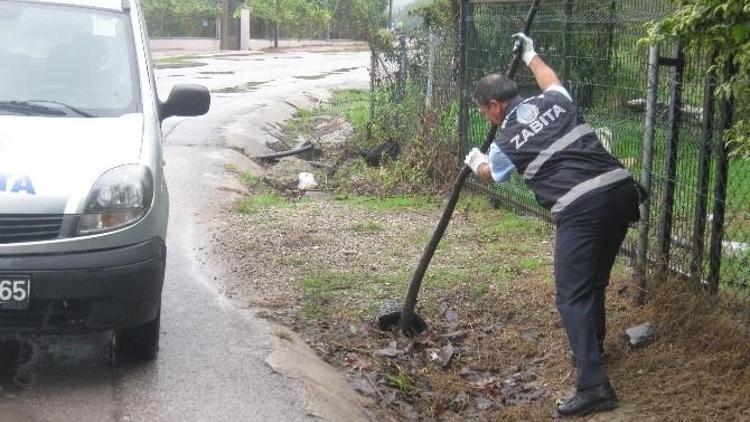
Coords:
pixel 696 228
pixel 414 87
pixel 593 47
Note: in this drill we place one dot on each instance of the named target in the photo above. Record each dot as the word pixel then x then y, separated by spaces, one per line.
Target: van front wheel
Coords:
pixel 140 342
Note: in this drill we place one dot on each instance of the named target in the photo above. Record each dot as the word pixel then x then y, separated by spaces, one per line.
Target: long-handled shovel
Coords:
pixel 409 322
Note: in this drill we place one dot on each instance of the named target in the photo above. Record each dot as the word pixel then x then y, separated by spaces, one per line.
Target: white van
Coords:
pixel 83 200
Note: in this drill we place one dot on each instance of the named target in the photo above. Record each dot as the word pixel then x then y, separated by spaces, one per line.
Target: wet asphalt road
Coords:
pixel 213 364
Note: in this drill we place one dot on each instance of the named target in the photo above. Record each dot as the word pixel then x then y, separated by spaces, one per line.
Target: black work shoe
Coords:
pixel 590 400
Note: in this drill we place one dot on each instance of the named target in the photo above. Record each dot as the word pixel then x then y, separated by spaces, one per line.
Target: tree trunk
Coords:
pixel 276 35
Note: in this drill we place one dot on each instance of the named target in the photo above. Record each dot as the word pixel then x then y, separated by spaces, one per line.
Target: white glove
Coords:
pixel 527 44
pixel 475 158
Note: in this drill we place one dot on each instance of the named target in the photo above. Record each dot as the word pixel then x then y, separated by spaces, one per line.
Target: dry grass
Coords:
pixel 314 268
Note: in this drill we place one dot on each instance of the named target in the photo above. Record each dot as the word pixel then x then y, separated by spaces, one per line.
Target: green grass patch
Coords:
pixel 251 181
pixel 355 295
pixel 254 203
pixel 322 288
pixel 511 226
pixel 390 203
pixel 401 381
pixel 368 227
pixel 444 277
pixel 479 290
pixel 533 264
pixel 474 203
pixel 352 105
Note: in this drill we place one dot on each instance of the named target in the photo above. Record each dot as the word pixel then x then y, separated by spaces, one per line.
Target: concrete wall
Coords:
pixel 187 44
pixel 260 44
pixel 212 44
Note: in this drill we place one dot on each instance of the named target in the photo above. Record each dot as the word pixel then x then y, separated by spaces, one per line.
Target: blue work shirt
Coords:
pixel 500 164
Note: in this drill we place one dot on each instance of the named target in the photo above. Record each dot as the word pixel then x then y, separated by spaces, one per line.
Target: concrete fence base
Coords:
pixel 187 44
pixel 212 44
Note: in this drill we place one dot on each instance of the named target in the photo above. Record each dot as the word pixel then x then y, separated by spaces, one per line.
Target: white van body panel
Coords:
pixel 87 149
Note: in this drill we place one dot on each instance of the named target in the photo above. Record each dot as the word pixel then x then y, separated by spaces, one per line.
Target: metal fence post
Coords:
pixel 704 174
pixel 432 40
pixel 568 11
pixel 463 47
pixel 726 111
pixel 373 73
pixel 668 195
pixel 646 169
pixel 402 73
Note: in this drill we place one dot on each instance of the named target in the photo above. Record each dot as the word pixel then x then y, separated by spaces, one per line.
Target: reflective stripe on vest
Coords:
pixel 559 145
pixel 580 189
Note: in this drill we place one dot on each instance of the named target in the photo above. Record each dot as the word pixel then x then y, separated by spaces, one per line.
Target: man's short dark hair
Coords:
pixel 494 87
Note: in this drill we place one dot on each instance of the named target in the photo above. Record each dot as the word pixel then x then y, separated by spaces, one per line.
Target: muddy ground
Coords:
pixel 324 263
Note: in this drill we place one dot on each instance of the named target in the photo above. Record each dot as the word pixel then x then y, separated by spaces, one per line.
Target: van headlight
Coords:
pixel 121 197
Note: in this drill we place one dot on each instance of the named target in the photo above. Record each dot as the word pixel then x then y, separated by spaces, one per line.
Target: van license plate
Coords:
pixel 14 291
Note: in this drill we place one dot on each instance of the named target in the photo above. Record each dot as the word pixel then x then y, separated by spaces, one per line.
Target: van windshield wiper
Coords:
pixel 32 108
pixel 26 108
pixel 68 106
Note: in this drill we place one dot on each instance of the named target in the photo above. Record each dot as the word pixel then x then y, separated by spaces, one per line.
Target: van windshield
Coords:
pixel 66 61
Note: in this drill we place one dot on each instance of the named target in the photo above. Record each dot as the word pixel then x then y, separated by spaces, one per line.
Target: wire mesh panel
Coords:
pixel 593 46
pixel 414 91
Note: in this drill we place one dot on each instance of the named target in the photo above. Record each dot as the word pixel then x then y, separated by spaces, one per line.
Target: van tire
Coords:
pixel 140 342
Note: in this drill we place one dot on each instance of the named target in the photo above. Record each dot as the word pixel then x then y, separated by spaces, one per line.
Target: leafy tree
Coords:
pixel 305 15
pixel 723 25
pixel 310 16
pixel 442 14
pixel 369 15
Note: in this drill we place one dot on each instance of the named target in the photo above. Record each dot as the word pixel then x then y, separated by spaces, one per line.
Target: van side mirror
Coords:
pixel 185 100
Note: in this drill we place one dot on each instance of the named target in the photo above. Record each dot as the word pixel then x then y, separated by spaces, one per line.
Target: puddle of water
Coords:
pixel 228 72
pixel 326 74
pixel 248 87
pixel 314 77
pixel 181 65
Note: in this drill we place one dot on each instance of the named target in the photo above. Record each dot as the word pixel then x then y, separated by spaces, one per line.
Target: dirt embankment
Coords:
pixel 495 348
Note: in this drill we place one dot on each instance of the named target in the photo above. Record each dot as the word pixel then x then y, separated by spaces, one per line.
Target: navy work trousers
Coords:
pixel 589 234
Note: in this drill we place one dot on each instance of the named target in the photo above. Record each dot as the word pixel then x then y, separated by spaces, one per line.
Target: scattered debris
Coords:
pixel 357 363
pixel 483 403
pixel 640 336
pixel 374 156
pixel 307 181
pixel 442 356
pixel 391 351
pixel 451 317
pixel 285 175
pixel 521 388
pixel 389 314
pixel 306 148
pixel 365 384
pixel 456 335
pixel 459 402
